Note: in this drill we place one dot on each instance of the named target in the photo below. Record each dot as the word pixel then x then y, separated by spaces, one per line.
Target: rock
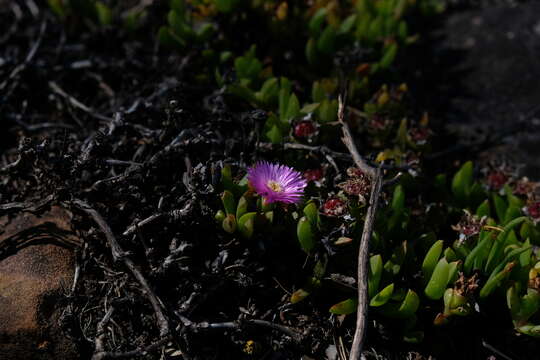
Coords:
pixel 495 54
pixel 36 265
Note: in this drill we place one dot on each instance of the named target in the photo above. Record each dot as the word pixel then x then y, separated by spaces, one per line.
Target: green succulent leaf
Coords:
pixel 311 51
pixel 327 40
pixel 431 259
pixel 320 268
pixel 450 255
pixel 512 212
pixel 404 309
pixel 500 206
pixel 242 206
pixel 495 280
pixel 225 6
pixel 103 13
pixel 438 281
pixel 529 329
pixel 299 295
pixel 480 252
pixel 177 6
pixel 393 265
pixel 327 111
pixel 246 224
pixel 529 305
pixel 483 209
pixel 274 135
pixel 227 198
pixel 293 108
pixel 398 200
pixel 348 24
pixel 248 66
pixel 513 301
pixel 229 224
pixel 305 235
pixel 389 56
pixel 315 24
pixel 462 182
pixel 311 211
pixel 309 108
pixel 345 307
pixel 58 7
pixel 374 275
pixel 382 296
pixel 220 216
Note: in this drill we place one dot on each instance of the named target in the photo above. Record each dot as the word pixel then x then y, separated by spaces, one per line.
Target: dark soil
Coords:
pixel 108 118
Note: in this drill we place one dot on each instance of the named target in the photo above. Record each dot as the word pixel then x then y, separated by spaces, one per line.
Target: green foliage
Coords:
pixel 182 29
pixel 96 12
pixel 497 258
pixel 305 234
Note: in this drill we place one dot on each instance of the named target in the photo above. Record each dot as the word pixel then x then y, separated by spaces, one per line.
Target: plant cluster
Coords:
pixel 444 246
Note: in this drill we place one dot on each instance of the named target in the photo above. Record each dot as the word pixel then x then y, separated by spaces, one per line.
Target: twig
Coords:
pixel 28 58
pixel 141 352
pixel 121 162
pixel 173 145
pixel 100 335
pixel 330 154
pixel 175 214
pixel 130 230
pixel 26 206
pixel 349 143
pixel 495 351
pixel 293 334
pixel 76 103
pixel 362 273
pixel 77 274
pixel 375 174
pixel 119 254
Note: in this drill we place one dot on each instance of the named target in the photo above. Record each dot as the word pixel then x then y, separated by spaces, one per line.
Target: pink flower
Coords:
pixel 276 183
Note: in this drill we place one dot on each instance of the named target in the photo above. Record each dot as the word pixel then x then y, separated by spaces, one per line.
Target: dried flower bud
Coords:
pixel 525 187
pixel 334 207
pixel 304 129
pixel 496 180
pixel 420 135
pixel 357 185
pixel 354 172
pixel 465 286
pixel 378 123
pixel 533 210
pixel 313 174
pixel 469 226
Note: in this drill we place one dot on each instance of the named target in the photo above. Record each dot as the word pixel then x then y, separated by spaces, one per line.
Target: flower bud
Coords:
pixel 334 207
pixel 304 129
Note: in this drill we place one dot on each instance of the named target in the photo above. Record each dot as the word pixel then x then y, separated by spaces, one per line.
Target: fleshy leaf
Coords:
pixel 305 235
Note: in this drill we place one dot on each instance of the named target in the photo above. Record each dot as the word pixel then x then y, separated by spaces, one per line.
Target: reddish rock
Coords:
pixel 36 264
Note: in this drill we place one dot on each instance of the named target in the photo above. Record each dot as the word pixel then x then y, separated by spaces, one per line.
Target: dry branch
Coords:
pixel 375 174
pixel 119 254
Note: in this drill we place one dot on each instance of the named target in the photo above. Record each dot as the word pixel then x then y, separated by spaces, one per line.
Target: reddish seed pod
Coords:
pixel 304 129
pixel 534 210
pixel 496 180
pixel 334 207
pixel 313 174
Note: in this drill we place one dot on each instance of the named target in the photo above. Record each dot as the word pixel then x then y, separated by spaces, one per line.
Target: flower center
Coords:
pixel 274 186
